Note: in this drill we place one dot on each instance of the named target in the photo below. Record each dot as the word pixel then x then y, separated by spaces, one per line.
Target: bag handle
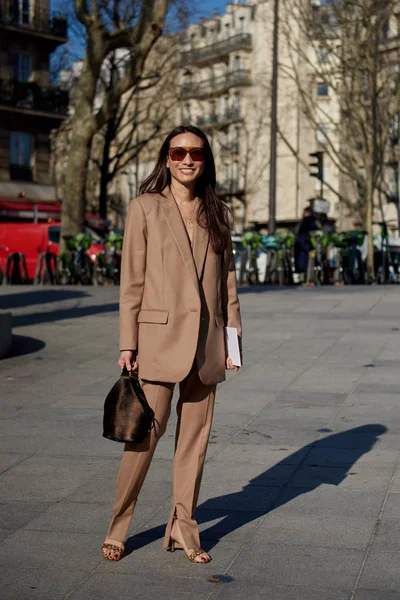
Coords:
pixel 129 374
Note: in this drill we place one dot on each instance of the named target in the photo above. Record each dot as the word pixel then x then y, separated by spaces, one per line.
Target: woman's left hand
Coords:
pixel 230 366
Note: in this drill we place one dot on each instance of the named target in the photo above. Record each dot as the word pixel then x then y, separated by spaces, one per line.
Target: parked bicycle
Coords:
pixel 251 245
pixel 318 266
pixel 279 263
pixel 108 263
pixel 75 265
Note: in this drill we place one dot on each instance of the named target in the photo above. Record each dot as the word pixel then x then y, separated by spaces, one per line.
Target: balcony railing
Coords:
pixel 31 96
pixel 34 18
pixel 216 85
pixel 218 50
pixel 215 120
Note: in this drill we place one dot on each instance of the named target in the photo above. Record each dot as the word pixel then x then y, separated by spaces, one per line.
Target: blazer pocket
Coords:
pixel 153 316
pixel 219 320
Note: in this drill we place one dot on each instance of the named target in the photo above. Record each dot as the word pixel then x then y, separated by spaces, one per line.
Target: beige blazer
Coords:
pixel 174 302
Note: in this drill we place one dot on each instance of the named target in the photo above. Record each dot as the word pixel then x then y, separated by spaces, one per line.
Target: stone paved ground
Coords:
pixel 301 491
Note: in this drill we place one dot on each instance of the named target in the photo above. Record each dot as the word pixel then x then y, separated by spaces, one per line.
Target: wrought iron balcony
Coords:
pixel 31 96
pixel 216 85
pixel 216 51
pixel 35 19
pixel 215 120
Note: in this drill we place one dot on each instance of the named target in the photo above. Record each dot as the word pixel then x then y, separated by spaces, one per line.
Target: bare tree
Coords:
pixel 138 119
pixel 109 25
pixel 346 49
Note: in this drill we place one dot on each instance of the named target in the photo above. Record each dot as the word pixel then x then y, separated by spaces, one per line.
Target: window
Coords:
pixel 22 66
pixel 54 234
pixel 225 105
pixel 21 11
pixel 236 104
pixel 323 54
pixel 242 25
pixel 322 90
pixel 237 64
pixel 227 30
pixel 21 147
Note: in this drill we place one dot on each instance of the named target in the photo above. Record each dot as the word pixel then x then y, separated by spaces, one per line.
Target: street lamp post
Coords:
pixel 274 106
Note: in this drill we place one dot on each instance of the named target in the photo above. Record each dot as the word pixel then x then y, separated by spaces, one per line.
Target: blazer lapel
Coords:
pixel 177 227
pixel 200 245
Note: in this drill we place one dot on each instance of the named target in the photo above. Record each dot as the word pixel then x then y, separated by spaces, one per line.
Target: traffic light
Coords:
pixel 319 164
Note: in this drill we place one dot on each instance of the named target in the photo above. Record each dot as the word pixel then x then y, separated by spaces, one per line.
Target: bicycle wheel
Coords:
pixel 281 269
pixel 270 272
pixel 64 276
pixel 85 271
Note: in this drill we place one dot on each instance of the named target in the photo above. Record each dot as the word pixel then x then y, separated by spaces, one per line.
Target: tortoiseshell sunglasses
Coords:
pixel 178 153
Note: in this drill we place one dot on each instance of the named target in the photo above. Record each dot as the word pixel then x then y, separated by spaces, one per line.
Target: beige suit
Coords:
pixel 164 312
pixel 174 303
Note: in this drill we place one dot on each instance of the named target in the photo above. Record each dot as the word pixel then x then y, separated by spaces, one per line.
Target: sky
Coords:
pixel 206 8
pixel 75 44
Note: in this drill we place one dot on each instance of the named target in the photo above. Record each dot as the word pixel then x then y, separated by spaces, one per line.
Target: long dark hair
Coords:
pixel 213 214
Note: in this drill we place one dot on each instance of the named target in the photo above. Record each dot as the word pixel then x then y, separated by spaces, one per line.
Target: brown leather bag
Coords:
pixel 127 414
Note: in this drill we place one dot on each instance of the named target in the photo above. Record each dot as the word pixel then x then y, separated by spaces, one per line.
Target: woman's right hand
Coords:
pixel 128 359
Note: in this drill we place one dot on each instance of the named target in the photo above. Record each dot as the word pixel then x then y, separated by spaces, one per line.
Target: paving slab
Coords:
pixel 22 583
pixel 301 488
pixel 285 564
pixel 125 586
pixel 381 571
pixel 237 590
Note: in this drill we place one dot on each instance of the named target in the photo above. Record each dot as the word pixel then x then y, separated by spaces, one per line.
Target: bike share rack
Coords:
pixel 16 272
pixel 46 270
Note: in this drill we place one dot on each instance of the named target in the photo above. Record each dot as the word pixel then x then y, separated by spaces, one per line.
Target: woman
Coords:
pixel 178 290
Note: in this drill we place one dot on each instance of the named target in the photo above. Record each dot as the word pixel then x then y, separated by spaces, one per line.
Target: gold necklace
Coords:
pixel 191 221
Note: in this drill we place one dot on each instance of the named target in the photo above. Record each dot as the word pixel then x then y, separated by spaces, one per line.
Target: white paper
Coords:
pixel 232 345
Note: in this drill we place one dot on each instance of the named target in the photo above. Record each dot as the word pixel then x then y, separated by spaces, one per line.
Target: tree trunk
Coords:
pixel 369 228
pixel 83 129
pixel 105 178
pixel 73 206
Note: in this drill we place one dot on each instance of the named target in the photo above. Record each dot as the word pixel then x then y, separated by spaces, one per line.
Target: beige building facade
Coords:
pixel 226 90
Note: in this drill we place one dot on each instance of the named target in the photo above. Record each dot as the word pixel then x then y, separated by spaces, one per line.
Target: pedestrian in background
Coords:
pixel 178 291
pixel 302 245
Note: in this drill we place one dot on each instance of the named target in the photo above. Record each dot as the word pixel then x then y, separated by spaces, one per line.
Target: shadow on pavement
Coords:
pixel 74 312
pixel 22 344
pixel 30 298
pixel 253 501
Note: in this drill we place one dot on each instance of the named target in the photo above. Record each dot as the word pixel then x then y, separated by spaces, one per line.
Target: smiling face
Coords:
pixel 186 171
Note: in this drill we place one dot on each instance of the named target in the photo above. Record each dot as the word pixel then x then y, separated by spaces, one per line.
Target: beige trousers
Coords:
pixel 195 410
